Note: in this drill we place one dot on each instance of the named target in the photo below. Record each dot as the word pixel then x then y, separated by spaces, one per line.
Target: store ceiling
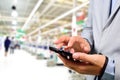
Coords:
pixel 47 11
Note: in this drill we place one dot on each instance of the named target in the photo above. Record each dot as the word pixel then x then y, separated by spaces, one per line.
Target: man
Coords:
pixel 6 45
pixel 99 44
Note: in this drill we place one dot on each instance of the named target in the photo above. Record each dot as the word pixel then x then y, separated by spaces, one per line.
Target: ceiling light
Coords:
pixel 15 1
pixel 82 0
pixel 61 1
pixel 14 28
pixel 14 22
pixel 14 13
pixel 59 17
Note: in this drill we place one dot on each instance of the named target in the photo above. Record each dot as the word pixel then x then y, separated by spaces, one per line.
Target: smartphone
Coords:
pixel 63 53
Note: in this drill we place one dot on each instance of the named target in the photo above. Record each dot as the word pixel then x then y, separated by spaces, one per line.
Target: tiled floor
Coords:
pixel 22 66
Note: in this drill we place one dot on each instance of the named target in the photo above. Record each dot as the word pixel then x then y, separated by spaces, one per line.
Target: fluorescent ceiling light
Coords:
pixel 15 1
pixel 14 22
pixel 60 1
pixel 82 0
pixel 14 28
pixel 32 13
pixel 59 17
pixel 14 13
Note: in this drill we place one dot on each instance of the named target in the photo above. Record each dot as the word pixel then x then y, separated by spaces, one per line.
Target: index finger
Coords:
pixel 63 39
pixel 74 40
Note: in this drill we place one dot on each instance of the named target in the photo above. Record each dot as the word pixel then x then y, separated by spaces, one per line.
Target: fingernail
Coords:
pixel 75 55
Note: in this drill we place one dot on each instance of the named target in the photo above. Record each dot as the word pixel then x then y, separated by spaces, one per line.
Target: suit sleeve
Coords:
pixel 117 68
pixel 87 32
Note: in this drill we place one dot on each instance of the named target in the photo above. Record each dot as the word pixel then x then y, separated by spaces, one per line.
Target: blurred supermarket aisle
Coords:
pixel 23 66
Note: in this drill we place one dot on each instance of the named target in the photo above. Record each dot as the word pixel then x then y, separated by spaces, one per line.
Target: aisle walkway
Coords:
pixel 23 66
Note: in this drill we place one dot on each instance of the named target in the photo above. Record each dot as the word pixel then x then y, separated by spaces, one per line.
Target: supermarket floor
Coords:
pixel 23 66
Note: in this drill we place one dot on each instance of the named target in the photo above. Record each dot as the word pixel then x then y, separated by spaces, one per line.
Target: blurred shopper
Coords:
pixel 6 45
pixel 12 45
pixel 98 46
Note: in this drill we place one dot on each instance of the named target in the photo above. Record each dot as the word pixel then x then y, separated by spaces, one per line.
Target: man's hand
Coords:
pixel 75 43
pixel 91 64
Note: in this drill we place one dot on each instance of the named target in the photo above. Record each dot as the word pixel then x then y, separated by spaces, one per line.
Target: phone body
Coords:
pixel 63 53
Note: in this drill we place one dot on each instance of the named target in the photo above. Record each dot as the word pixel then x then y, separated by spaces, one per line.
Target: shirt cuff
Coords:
pixel 109 73
pixel 110 69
